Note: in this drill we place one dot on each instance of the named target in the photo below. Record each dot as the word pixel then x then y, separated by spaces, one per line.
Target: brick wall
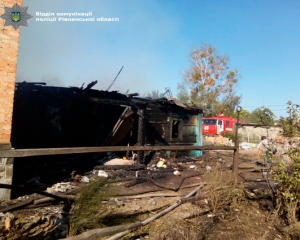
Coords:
pixel 9 43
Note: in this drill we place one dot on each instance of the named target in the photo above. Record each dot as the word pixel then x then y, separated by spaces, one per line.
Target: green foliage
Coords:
pixel 291 124
pixel 263 116
pixel 288 194
pixel 288 173
pixel 209 83
pixel 260 115
pixel 231 136
pixel 88 208
pixel 245 115
pixel 289 176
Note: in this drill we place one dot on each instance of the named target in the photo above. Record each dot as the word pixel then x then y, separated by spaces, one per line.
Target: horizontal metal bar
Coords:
pixel 59 151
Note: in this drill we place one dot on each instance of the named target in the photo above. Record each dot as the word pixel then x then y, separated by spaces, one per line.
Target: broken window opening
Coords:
pixel 175 129
pixel 209 122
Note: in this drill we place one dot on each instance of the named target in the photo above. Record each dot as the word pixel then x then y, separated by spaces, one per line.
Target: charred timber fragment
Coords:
pixel 132 95
pixel 18 205
pixel 90 85
pixel 31 190
pixel 113 137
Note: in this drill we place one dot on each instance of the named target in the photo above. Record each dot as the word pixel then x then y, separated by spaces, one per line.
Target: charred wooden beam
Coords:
pixel 90 85
pixel 126 113
pixel 110 101
pixel 31 83
pixel 132 95
pixel 59 151
pixel 31 190
pixel 132 102
pixel 18 205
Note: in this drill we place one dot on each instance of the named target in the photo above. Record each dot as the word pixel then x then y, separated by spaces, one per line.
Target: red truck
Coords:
pixel 217 125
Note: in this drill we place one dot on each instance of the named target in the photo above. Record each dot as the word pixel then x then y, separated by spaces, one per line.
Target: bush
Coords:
pixel 288 175
pixel 231 136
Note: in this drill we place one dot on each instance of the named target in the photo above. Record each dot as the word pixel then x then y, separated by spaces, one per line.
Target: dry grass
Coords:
pixel 232 215
pixel 223 196
pixel 189 221
pixel 88 211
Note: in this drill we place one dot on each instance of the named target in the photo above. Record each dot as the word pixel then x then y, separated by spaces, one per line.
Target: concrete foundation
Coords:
pixel 6 173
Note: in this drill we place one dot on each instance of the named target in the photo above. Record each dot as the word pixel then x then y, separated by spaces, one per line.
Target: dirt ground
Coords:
pixel 250 217
pixel 219 210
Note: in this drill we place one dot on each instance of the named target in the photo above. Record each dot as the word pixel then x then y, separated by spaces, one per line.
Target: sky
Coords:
pixel 153 40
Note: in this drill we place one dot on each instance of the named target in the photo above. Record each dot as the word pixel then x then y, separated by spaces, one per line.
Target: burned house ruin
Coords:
pixel 48 117
pixel 59 117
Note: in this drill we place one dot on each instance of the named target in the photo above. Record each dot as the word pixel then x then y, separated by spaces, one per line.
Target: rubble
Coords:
pixel 102 174
pixel 85 179
pixel 62 187
pixel 39 223
pixel 150 188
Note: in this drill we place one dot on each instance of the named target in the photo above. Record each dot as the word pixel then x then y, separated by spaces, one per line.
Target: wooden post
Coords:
pixel 235 166
pixel 141 134
pixel 74 150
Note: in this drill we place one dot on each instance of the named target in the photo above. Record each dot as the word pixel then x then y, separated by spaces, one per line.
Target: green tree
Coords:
pixel 245 115
pixel 263 116
pixel 227 105
pixel 291 124
pixel 209 83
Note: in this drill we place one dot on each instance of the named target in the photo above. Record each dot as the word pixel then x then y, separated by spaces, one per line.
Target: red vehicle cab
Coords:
pixel 217 125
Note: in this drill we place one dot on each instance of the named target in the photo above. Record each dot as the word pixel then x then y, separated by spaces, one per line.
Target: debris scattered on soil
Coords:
pixel 217 211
